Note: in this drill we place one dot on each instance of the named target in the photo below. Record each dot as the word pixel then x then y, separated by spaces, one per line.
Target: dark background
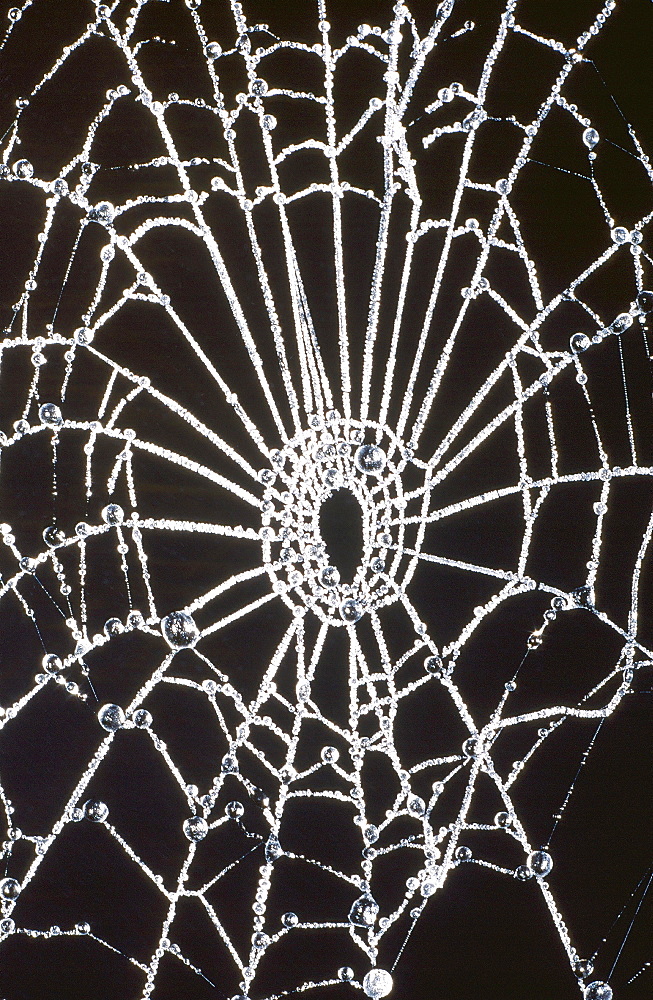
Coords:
pixel 484 935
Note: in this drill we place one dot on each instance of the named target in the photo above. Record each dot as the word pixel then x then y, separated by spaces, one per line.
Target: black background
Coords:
pixel 484 935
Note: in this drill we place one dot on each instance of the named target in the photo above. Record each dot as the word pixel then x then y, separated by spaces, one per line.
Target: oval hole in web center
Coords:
pixel 341 527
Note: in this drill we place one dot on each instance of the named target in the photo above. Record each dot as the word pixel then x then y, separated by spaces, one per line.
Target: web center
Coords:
pixel 341 529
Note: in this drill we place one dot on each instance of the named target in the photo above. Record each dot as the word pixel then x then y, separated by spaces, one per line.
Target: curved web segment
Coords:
pixel 241 311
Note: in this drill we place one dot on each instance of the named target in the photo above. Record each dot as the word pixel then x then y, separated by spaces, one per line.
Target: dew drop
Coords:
pixel 53 536
pixel 113 514
pixel 433 665
pixel 329 577
pixel 95 810
pixel 350 610
pixel 113 626
pixel 579 342
pixel 290 919
pixel 583 967
pixel 377 983
pixel 50 414
pixel 273 849
pixel 540 863
pixel 620 235
pixel 103 212
pixel 111 718
pixel 370 459
pixel 416 806
pixel 590 137
pixel 51 663
pixel 142 719
pixel 621 323
pixel 9 888
pixel 195 828
pixel 471 747
pixel 179 630
pixel 23 169
pixel 364 911
pixel 598 991
pixel 582 597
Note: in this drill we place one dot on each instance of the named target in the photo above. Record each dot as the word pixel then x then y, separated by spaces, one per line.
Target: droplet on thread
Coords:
pixel 179 630
pixel 540 863
pixel 363 912
pixel 377 983
pixel 195 828
pixel 111 717
pixel 370 459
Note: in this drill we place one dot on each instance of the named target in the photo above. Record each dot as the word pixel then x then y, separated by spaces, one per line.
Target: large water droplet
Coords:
pixel 179 630
pixel 103 212
pixel 113 514
pixel 370 459
pixel 95 810
pixel 9 888
pixel 113 626
pixel 579 342
pixel 350 610
pixel 273 849
pixel 196 828
pixel 23 169
pixel 377 983
pixel 329 577
pixel 51 663
pixel 53 536
pixel 111 718
pixel 583 967
pixel 590 137
pixel 540 863
pixel 582 597
pixel 142 718
pixel 49 413
pixel 364 911
pixel 598 991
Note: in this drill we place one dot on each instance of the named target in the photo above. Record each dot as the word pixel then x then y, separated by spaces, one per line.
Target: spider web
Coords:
pixel 324 443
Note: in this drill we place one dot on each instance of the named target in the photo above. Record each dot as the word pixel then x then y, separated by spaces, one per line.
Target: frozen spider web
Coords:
pixel 292 410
